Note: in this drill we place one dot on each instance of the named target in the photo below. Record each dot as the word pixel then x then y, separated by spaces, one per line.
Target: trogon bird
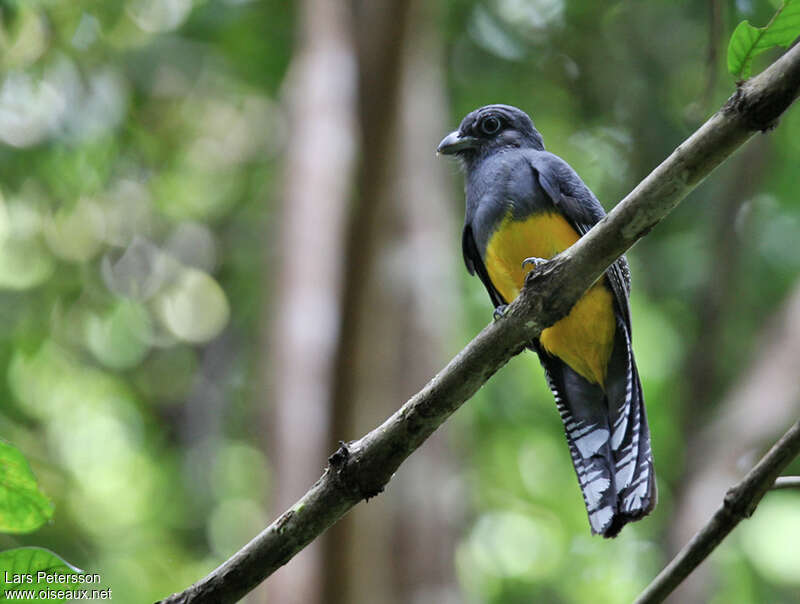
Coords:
pixel 525 205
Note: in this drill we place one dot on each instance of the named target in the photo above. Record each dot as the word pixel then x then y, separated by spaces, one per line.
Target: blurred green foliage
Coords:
pixel 138 184
pixel 136 149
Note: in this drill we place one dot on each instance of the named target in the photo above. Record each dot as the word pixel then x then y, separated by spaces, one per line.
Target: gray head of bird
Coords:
pixel 489 129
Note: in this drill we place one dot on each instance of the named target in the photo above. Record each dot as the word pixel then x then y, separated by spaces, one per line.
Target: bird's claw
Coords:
pixel 534 262
pixel 499 311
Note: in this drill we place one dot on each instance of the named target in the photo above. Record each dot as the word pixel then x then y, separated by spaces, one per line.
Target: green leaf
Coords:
pixel 748 41
pixel 23 506
pixel 35 569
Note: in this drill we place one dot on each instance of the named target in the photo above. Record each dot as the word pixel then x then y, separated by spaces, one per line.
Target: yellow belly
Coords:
pixel 584 338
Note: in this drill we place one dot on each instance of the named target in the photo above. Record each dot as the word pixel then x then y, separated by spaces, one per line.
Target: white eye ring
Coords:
pixel 490 125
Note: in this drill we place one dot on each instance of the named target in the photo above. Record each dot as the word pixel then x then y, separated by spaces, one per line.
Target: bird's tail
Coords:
pixel 608 437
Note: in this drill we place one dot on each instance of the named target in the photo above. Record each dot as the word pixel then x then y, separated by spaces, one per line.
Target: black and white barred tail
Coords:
pixel 608 437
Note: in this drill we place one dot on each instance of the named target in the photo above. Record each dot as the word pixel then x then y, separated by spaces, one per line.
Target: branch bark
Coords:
pixel 740 502
pixel 360 469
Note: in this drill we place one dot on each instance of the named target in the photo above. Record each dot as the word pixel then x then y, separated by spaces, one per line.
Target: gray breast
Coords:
pixel 501 182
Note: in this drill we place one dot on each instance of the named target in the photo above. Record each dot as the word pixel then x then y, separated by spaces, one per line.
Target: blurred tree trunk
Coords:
pixel 716 301
pixel 298 350
pixel 403 246
pixel 428 519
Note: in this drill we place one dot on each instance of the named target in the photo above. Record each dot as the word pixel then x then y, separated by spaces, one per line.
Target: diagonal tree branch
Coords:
pixel 786 482
pixel 760 405
pixel 361 469
pixel 740 502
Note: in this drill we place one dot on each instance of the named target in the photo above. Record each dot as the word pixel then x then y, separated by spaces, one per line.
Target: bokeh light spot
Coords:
pixel 194 307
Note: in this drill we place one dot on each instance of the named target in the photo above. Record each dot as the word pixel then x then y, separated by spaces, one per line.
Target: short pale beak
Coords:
pixel 454 142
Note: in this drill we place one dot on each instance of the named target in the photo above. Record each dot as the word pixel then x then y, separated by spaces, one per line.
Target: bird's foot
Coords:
pixel 534 262
pixel 499 311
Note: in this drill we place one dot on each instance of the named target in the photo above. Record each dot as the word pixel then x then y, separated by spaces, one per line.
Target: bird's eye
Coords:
pixel 490 125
